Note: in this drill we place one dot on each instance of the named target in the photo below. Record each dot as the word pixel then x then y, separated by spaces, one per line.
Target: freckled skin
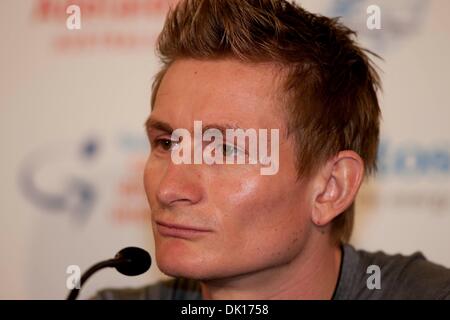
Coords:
pixel 257 222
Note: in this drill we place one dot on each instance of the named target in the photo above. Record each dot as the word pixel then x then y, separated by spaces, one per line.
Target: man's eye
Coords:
pixel 229 149
pixel 166 144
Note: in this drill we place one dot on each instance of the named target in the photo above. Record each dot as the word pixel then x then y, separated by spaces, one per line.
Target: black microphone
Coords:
pixel 131 261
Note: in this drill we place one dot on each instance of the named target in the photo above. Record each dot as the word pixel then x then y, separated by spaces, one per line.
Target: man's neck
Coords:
pixel 313 274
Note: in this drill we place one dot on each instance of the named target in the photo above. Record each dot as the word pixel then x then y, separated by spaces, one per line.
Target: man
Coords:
pixel 232 231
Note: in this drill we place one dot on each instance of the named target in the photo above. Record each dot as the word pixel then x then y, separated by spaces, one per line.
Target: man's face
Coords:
pixel 248 222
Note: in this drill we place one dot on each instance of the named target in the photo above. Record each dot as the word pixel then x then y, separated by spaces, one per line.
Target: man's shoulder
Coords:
pixel 174 289
pixel 400 276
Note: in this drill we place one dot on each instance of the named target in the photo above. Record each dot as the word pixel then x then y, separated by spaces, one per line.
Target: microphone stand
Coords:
pixel 111 263
pixel 130 261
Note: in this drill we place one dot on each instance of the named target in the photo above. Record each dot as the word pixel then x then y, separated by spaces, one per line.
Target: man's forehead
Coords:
pixel 224 79
pixel 217 92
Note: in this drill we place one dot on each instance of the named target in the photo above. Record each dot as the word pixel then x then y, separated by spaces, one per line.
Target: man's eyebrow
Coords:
pixel 164 126
pixel 158 125
pixel 221 127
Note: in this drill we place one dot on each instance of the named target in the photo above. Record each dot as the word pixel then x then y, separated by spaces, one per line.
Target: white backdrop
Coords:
pixel 73 104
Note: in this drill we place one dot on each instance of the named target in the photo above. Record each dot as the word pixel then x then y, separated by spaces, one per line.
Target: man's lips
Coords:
pixel 180 231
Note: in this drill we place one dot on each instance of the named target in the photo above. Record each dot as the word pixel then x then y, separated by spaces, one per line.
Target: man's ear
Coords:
pixel 336 185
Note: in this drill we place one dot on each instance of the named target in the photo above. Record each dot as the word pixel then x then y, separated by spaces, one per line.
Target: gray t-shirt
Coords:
pixel 400 277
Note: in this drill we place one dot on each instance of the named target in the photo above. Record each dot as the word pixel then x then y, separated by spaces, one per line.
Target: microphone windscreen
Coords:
pixel 135 261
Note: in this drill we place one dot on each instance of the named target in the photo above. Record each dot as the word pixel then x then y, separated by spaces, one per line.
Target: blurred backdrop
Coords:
pixel 73 104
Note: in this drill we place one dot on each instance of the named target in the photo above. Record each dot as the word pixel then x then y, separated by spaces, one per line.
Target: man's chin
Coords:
pixel 184 264
pixel 180 269
pixel 194 269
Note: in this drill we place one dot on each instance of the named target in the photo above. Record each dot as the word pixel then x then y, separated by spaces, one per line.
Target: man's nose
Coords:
pixel 180 185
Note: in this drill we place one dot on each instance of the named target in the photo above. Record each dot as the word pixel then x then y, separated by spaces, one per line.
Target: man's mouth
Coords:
pixel 180 231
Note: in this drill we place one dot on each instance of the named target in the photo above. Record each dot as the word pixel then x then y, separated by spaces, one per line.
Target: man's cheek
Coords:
pixel 148 181
pixel 153 174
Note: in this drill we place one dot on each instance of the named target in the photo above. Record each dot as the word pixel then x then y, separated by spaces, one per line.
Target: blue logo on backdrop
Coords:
pixel 413 160
pixel 55 178
pixel 70 192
